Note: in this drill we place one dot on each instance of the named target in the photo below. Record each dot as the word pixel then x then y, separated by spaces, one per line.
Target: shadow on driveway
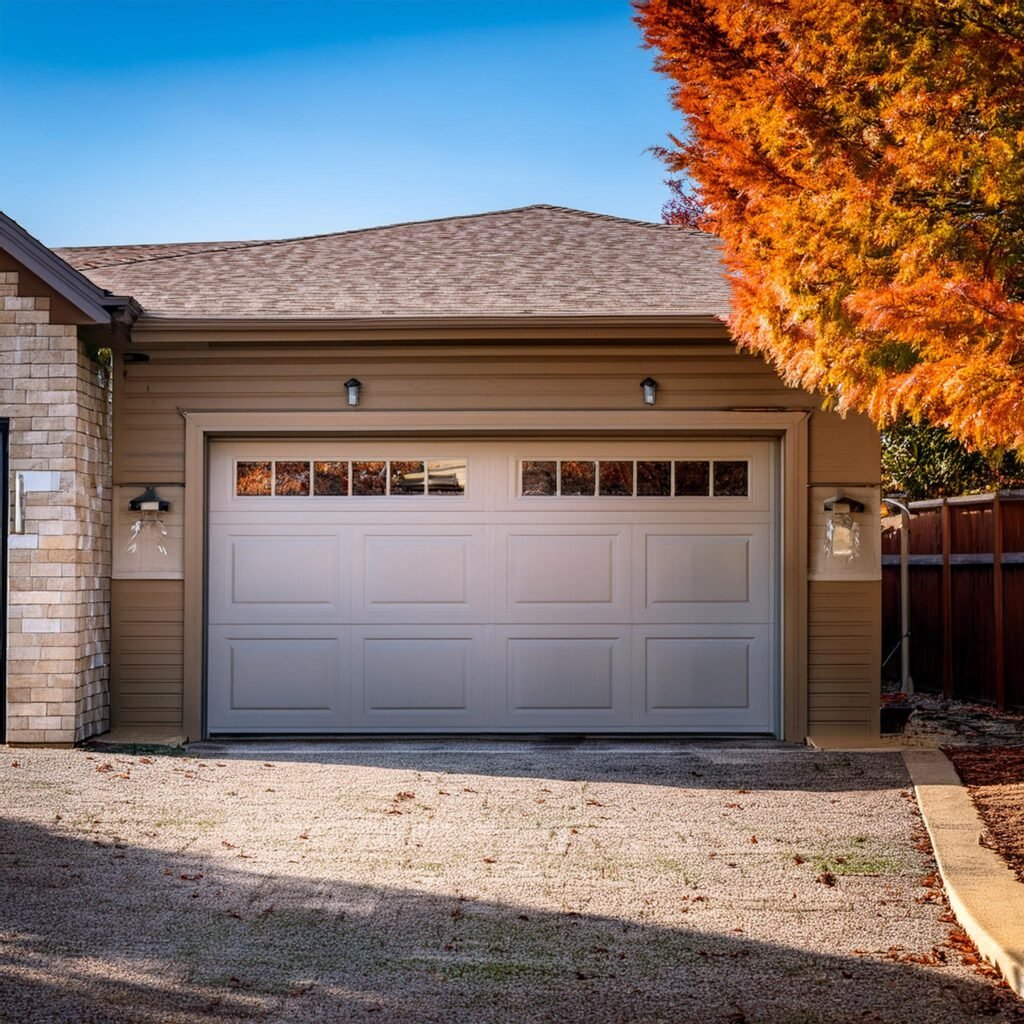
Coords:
pixel 110 932
pixel 754 764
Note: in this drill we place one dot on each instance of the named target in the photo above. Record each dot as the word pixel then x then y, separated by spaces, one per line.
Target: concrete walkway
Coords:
pixel 984 893
pixel 484 882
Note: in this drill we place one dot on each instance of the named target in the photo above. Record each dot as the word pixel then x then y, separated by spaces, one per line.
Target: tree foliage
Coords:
pixel 926 462
pixel 861 162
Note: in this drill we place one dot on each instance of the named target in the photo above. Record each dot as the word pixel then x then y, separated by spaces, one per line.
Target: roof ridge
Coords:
pixel 216 247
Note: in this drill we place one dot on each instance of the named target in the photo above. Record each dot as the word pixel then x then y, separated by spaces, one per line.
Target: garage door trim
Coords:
pixel 789 426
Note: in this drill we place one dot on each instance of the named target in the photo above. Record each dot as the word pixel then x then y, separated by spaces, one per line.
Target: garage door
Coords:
pixel 567 585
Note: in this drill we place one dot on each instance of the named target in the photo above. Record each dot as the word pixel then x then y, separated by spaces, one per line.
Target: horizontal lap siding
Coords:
pixel 844 630
pixel 149 439
pixel 146 666
pixel 844 654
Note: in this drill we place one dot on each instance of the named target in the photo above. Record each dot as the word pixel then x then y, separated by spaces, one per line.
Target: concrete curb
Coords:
pixel 984 893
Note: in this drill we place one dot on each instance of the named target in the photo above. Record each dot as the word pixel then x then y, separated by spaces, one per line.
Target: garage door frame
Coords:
pixel 790 427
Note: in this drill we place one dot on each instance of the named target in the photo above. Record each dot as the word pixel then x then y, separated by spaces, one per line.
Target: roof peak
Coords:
pixel 125 254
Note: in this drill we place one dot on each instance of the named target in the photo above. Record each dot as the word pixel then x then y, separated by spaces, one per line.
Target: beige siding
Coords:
pixel 149 444
pixel 844 653
pixel 844 628
pixel 844 624
pixel 146 669
pixel 843 450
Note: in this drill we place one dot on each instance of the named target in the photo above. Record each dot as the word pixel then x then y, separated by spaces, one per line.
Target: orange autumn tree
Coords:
pixel 861 161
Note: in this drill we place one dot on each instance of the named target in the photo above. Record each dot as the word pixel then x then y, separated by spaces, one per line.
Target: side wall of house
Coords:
pixel 59 566
pixel 844 617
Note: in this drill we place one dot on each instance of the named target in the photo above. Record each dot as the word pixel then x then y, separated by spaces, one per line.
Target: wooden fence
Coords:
pixel 966 597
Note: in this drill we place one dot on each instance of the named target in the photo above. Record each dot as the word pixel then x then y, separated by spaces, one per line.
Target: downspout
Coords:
pixel 906 683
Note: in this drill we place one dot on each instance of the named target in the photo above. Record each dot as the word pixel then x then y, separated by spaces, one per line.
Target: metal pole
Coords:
pixel 906 683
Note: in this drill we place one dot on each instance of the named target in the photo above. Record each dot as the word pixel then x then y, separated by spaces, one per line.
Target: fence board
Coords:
pixel 966 595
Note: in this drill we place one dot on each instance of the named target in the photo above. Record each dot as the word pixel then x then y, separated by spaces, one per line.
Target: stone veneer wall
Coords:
pixel 59 569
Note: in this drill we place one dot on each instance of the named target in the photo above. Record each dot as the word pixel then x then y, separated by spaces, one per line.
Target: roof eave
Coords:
pixel 266 329
pixel 96 304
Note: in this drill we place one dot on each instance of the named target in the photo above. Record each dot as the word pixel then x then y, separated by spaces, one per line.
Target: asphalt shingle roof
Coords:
pixel 532 261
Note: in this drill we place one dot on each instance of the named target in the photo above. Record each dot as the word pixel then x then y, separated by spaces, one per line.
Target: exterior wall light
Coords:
pixel 352 385
pixel 149 501
pixel 650 386
pixel 842 531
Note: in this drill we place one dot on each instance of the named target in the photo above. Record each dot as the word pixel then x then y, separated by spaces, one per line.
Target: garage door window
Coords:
pixel 295 478
pixel 641 478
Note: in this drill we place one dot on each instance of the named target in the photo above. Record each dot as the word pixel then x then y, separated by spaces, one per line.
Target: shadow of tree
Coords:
pixel 110 932
pixel 712 764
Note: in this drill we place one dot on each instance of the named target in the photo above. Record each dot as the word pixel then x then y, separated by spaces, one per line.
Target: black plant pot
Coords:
pixel 894 717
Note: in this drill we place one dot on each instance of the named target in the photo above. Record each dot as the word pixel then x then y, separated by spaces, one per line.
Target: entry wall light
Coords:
pixel 650 386
pixel 842 531
pixel 149 501
pixel 352 386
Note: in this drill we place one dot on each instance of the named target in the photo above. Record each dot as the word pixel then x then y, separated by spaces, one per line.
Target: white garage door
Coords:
pixel 568 585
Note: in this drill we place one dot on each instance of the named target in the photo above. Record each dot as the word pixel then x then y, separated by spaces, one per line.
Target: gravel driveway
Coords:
pixel 594 882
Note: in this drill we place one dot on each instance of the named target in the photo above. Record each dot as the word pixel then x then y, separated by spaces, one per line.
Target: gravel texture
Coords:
pixel 474 882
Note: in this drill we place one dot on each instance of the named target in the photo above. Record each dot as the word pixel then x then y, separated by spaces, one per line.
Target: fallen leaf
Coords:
pixel 827 878
pixel 15 764
pixel 797 859
pixel 489 860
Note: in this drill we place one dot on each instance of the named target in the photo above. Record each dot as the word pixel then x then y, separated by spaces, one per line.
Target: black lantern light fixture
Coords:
pixel 149 501
pixel 352 386
pixel 650 386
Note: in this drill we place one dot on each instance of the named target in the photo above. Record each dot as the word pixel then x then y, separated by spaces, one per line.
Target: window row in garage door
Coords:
pixel 489 608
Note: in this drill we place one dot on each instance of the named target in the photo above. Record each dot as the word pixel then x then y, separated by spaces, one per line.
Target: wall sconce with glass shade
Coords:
pixel 842 531
pixel 650 386
pixel 150 505
pixel 352 386
pixel 149 501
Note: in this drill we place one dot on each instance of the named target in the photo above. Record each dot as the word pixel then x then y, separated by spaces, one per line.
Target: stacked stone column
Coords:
pixel 58 623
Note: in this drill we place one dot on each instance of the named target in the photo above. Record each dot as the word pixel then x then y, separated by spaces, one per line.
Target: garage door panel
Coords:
pixel 419 677
pixel 419 576
pixel 705 677
pixel 494 609
pixel 562 574
pixel 285 678
pixel 702 573
pixel 276 576
pixel 564 676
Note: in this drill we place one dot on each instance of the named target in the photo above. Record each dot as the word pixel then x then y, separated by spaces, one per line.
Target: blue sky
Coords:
pixel 165 120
